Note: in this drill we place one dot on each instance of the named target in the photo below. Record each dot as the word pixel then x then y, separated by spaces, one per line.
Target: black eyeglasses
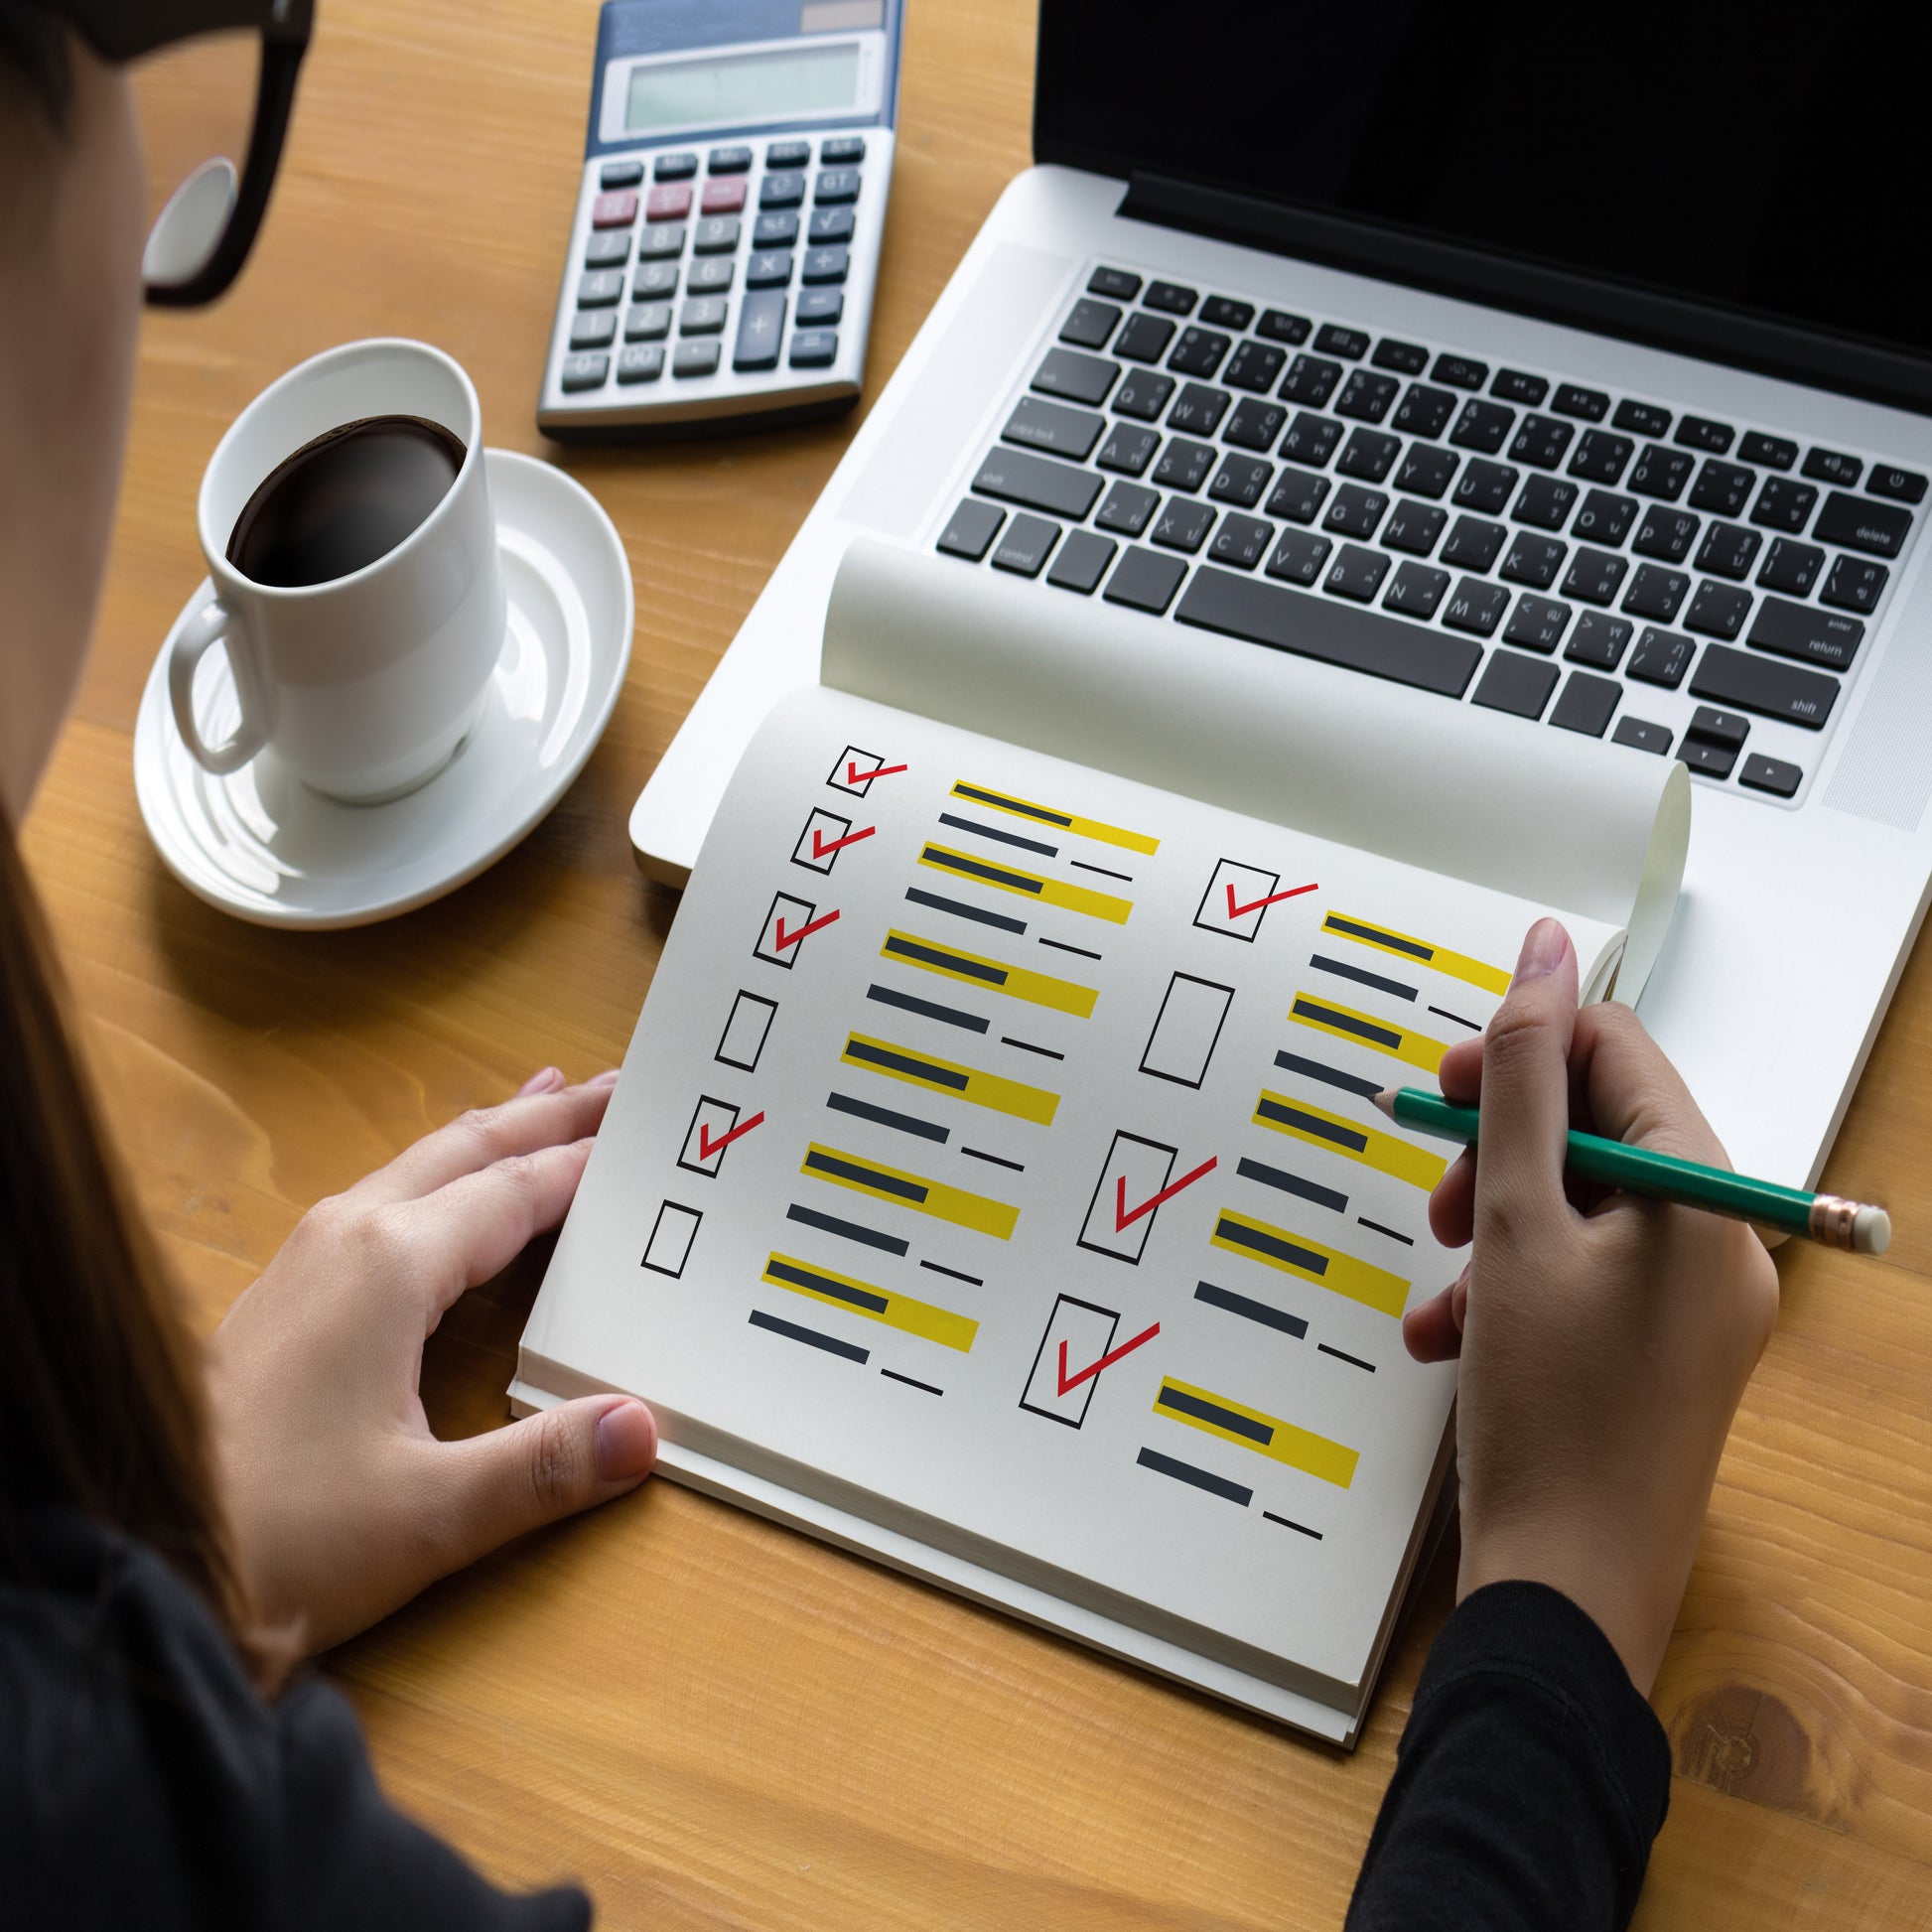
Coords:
pixel 212 213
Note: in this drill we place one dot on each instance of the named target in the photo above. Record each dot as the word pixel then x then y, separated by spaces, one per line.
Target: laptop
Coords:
pixel 1576 370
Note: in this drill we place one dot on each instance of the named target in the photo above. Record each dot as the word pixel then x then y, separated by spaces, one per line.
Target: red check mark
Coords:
pixel 707 1147
pixel 1068 1383
pixel 853 776
pixel 783 939
pixel 1124 1216
pixel 823 851
pixel 1241 911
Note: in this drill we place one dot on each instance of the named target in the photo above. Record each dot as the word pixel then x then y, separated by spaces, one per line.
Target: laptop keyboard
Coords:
pixel 1539 547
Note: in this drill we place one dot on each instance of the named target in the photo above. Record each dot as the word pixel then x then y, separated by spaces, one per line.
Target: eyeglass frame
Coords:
pixel 123 30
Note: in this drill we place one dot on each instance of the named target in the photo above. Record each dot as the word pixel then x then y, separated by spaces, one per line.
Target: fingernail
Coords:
pixel 1543 950
pixel 627 1441
pixel 608 1078
pixel 551 1078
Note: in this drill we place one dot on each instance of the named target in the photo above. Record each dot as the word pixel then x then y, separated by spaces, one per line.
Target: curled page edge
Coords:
pixel 1564 820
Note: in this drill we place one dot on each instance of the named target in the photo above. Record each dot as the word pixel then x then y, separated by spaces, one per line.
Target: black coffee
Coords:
pixel 344 500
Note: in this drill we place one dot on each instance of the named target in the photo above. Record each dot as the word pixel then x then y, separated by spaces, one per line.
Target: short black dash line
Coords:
pixel 1080 864
pixel 972 1280
pixel 998 1159
pixel 1407 1240
pixel 1061 945
pixel 1354 1361
pixel 1289 1523
pixel 1445 1013
pixel 1027 1046
pixel 893 1375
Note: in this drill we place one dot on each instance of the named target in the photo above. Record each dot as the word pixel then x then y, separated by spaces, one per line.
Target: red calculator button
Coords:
pixel 670 200
pixel 614 210
pixel 724 196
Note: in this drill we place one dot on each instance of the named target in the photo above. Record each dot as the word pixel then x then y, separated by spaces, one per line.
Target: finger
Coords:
pixel 547 1467
pixel 484 1135
pixel 1461 1073
pixel 1432 1330
pixel 1628 1090
pixel 1453 1206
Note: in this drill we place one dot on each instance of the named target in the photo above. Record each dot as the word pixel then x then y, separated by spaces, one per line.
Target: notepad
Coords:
pixel 994 1188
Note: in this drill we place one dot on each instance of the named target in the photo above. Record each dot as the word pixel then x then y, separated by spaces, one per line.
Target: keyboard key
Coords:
pixel 1310 380
pixel 1356 511
pixel 641 364
pixel 1534 560
pixel 1369 454
pixel 1854 584
pixel 1037 425
pixel 1485 486
pixel 1600 455
pixel 1082 562
pixel 599 289
pixel 1483 426
pixel 618 210
pixel 695 359
pixel 1723 487
pixel 588 370
pixel 1115 282
pixel 1642 735
pixel 1770 774
pixel 788 154
pixel 1128 508
pixel 1719 610
pixel 1254 367
pixel 703 315
pixel 1297 498
pixel 1773 452
pixel 1599 640
pixel 830 265
pixel 647 321
pixel 1540 442
pixel 1416 589
pixel 1545 503
pixel 1075 377
pixel 1829 466
pixel 1662 657
pixel 1666 534
pixel 1298 557
pixel 1660 473
pixel 1024 546
pixel 1415 528
pixel 1145 339
pixel 1801 631
pixel 1128 450
pixel 1727 676
pixel 1906 485
pixel 710 275
pixel 1367 396
pixel 1656 593
pixel 1425 473
pixel 1182 525
pixel 1537 624
pixel 1861 525
pixel 1310 439
pixel 609 249
pixel 1791 566
pixel 1785 504
pixel 1606 517
pixel 1700 433
pixel 818 306
pixel 1198 409
pixel 842 149
pixel 1641 418
pixel 1143 579
pixel 1594 576
pixel 1356 573
pixel 1585 704
pixel 1425 411
pixel 1473 545
pixel 1226 313
pixel 1144 395
pixel 1328 628
pixel 1728 550
pixel 661 242
pixel 1183 463
pixel 1255 424
pixel 833 186
pixel 1333 338
pixel 716 235
pixel 1712 761
pixel 768 268
pixel 1240 480
pixel 1039 482
pixel 1170 297
pixel 1592 405
pixel 813 349
pixel 1459 372
pixel 621 174
pixel 1513 386
pixel 1089 325
pixel 1476 606
pixel 1199 353
pixel 1241 541
pixel 1280 326
pixel 1719 727
pixel 594 329
pixel 1405 359
pixel 1512 682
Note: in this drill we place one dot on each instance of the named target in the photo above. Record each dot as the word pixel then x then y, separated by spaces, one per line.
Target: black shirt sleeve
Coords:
pixel 1529 1783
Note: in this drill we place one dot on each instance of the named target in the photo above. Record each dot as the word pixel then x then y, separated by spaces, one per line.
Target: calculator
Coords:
pixel 725 241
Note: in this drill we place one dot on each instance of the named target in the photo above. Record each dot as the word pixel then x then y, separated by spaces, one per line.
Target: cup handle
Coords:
pixel 214 623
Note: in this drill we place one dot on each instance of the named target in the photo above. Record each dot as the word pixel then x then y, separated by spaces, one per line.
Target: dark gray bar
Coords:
pixel 1192 1405
pixel 1293 1183
pixel 1200 1478
pixel 859 1297
pixel 1327 1130
pixel 1266 1244
pixel 994 832
pixel 1362 976
pixel 959 910
pixel 845 1230
pixel 941 1076
pixel 887 997
pixel 1011 804
pixel 1356 930
pixel 952 962
pixel 926 1129
pixel 886 1184
pixel 810 1337
pixel 1332 1076
pixel 978 869
pixel 1223 1298
pixel 1347 1022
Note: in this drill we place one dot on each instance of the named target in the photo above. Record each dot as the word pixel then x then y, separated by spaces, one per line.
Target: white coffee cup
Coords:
pixel 364 686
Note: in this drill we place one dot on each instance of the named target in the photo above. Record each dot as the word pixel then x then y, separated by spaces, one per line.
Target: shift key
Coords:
pixel 1053 427
pixel 1039 482
pixel 1736 677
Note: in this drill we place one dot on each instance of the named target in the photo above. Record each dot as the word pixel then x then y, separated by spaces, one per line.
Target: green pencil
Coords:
pixel 1836 1222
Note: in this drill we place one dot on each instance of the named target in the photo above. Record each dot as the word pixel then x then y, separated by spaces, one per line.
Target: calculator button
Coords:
pixel 681 166
pixel 616 210
pixel 842 147
pixel 820 306
pixel 585 372
pixel 668 202
pixel 730 160
pixel 781 191
pixel 621 174
pixel 594 329
pixel 710 275
pixel 661 242
pixel 761 322
pixel 723 197
pixel 695 359
pixel 609 249
pixel 830 224
pixel 774 232
pixel 703 315
pixel 647 321
pixel 716 235
pixel 601 290
pixel 653 279
pixel 813 349
pixel 641 364
pixel 788 154
pixel 771 269
pixel 836 185
pixel 825 264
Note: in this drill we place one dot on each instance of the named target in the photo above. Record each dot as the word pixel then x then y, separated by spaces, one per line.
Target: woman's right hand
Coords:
pixel 1604 1351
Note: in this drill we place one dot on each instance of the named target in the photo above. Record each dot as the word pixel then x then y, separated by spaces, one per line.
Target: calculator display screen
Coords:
pixel 716 89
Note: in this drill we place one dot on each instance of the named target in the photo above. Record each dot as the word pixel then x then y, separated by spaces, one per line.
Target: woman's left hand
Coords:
pixel 342 1503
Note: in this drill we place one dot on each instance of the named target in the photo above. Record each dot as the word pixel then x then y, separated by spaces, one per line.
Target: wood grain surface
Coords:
pixel 708 1721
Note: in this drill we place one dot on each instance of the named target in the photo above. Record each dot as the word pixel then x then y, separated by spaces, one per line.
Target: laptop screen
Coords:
pixel 1772 157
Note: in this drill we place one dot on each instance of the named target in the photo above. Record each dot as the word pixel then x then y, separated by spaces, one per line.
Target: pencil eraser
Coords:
pixel 1871 1232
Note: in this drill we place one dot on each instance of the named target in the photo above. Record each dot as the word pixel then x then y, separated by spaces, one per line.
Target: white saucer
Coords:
pixel 267 849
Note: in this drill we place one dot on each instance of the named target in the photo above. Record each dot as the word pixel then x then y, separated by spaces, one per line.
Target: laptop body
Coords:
pixel 1582 375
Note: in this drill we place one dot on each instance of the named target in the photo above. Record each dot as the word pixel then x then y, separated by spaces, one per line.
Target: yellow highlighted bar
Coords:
pixel 896 1310
pixel 995 975
pixel 1295 1254
pixel 1458 965
pixel 913 1191
pixel 1319 1128
pixel 1087 828
pixel 1028 885
pixel 1380 1035
pixel 1251 1428
pixel 1013 1097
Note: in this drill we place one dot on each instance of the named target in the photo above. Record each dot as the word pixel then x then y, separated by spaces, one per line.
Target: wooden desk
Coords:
pixel 708 1721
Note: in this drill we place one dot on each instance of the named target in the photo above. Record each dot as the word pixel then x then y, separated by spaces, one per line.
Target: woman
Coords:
pixel 175 1530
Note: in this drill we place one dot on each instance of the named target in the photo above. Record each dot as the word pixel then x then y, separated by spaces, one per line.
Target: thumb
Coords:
pixel 1526 1083
pixel 545 1467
